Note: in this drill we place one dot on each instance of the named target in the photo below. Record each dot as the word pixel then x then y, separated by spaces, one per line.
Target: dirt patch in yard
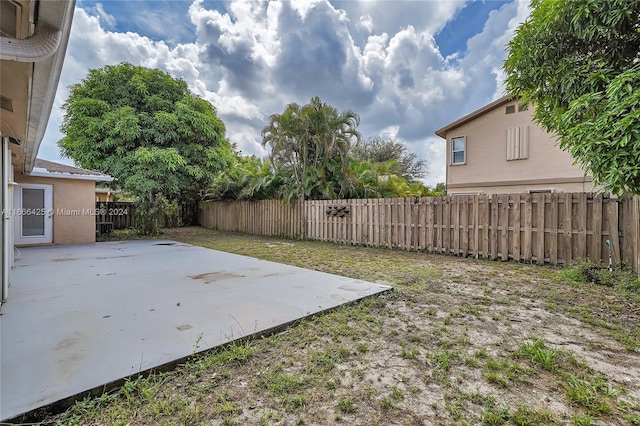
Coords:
pixel 459 341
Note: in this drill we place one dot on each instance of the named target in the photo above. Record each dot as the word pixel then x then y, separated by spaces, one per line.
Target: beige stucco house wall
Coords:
pixel 72 201
pixel 499 149
pixel 73 196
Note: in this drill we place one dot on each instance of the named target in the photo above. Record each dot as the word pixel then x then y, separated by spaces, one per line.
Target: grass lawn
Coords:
pixel 459 341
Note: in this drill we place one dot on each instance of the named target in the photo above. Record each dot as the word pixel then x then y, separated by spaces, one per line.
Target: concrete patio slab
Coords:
pixel 82 316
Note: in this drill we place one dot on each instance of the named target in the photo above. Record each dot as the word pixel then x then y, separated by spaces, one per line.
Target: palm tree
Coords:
pixel 310 145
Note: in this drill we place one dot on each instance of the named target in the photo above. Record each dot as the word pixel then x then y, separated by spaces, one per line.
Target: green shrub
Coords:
pixel 622 279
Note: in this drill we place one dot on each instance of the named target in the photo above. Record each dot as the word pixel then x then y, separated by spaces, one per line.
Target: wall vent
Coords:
pixel 10 18
pixel 6 104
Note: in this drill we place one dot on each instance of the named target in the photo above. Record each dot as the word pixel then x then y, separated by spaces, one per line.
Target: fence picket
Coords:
pixel 635 233
pixel 515 245
pixel 504 225
pixel 568 228
pixel 528 228
pixel 430 225
pixel 494 227
pixel 464 219
pixel 485 226
pixel 581 223
pixel 475 225
pixel 612 217
pixel 553 229
pixel 455 224
pixel 540 229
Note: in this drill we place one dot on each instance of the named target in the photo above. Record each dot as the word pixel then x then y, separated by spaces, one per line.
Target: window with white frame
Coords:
pixel 458 150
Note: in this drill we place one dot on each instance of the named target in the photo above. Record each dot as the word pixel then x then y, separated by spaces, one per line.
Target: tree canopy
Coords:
pixel 316 152
pixel 255 179
pixel 147 130
pixel 578 63
pixel 310 146
pixel 381 150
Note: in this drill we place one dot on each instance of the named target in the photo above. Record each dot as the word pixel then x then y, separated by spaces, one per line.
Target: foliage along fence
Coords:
pixel 541 228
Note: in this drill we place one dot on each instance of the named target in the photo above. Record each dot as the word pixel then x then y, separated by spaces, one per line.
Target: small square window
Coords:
pixel 510 109
pixel 458 150
pixel 522 107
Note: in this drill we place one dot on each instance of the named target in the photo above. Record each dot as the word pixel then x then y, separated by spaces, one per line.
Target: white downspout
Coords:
pixel 6 234
pixel 41 45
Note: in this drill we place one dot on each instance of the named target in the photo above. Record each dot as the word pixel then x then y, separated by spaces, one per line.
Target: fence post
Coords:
pixel 614 230
pixel 635 220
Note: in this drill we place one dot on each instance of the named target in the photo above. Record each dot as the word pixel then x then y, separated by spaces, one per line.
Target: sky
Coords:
pixel 407 67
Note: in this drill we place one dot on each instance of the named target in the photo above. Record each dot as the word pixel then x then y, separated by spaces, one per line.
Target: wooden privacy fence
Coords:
pixel 265 217
pixel 542 228
pixel 122 215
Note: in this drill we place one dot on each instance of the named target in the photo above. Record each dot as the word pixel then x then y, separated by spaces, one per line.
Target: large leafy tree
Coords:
pixel 309 146
pixel 148 130
pixel 381 150
pixel 578 63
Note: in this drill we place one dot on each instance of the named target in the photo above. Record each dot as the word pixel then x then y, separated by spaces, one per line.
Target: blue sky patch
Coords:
pixel 467 23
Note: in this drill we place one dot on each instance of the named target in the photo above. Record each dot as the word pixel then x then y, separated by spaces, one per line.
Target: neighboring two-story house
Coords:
pixel 498 149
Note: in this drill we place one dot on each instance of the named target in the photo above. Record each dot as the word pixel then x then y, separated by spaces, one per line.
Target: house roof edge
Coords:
pixel 488 107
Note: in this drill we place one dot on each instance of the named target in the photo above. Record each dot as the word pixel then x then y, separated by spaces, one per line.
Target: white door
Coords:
pixel 33 214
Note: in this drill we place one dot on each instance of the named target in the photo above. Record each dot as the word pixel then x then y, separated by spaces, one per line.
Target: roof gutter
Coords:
pixel 500 101
pixel 47 174
pixel 46 75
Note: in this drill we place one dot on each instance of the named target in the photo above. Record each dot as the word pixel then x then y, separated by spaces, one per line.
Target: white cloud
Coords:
pixel 434 150
pixel 109 20
pixel 366 24
pixel 390 132
pixel 303 7
pixel 487 51
pixel 252 58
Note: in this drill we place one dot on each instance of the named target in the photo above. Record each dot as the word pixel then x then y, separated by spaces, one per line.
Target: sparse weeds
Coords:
pixel 625 281
pixel 523 415
pixel 408 352
pixel 547 358
pixel 362 347
pixel 223 405
pixel 346 404
pixel 590 392
pixel 471 361
pixel 391 400
pixel 583 420
pixel 386 403
pixel 236 352
pixel 281 384
pixel 496 415
pixel 628 339
pixel 327 359
pixel 396 394
pixel 443 359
